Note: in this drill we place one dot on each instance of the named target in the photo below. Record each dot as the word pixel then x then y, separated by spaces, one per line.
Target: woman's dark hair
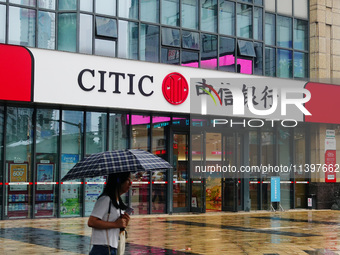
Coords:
pixel 112 188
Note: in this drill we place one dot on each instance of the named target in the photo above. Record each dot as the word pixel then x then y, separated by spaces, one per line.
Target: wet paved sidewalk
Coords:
pixel 291 232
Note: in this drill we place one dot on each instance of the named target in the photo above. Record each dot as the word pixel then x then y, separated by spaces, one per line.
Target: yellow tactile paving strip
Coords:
pixel 289 232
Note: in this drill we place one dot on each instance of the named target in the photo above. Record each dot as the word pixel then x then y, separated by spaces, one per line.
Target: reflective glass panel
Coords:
pixel 2 23
pixel 300 34
pixel 105 48
pixel 106 27
pixel 69 5
pixel 270 29
pixel 128 40
pixel 209 51
pixel 47 4
pixel 258 21
pixel 47 161
pixel 246 48
pixel 46 30
pixel 270 62
pixel 128 9
pixel 118 132
pixel 139 138
pixel 171 37
pixel 244 65
pixel 149 10
pixel 72 134
pixel 85 34
pixel 24 2
pixel 227 54
pixel 284 32
pixel 258 61
pixel 107 7
pixel 189 17
pixel 170 56
pixel 227 18
pixel 300 65
pixel 86 5
pixel 21 26
pixel 170 12
pixel 189 58
pixel 284 63
pixel 149 43
pixel 209 16
pixel 19 141
pixel 190 40
pixel 244 21
pixel 67 32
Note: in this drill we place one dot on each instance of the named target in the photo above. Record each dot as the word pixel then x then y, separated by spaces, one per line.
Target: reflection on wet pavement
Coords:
pixel 290 232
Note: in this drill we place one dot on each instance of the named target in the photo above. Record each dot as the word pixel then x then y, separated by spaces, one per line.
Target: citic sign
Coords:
pixel 174 87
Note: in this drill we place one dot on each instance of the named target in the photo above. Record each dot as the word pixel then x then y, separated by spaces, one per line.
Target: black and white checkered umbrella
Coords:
pixel 105 163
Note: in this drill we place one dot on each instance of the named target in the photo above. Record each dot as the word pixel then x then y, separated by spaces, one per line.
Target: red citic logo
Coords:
pixel 175 88
pixel 16 73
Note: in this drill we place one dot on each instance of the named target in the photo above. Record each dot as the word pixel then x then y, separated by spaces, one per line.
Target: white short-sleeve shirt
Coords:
pixel 100 211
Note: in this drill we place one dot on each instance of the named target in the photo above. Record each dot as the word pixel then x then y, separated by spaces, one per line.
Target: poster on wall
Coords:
pixel 69 192
pixel 44 174
pixel 18 173
pixel 94 187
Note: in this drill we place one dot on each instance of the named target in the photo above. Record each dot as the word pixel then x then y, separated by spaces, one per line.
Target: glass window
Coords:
pixel 258 20
pixel 69 5
pixel 301 9
pixel 285 7
pixel 128 9
pixel 2 23
pixel 106 27
pixel 284 63
pixel 47 4
pixel 107 7
pixel 72 134
pixel 253 161
pixel 27 3
pixel 244 65
pixel 67 32
pixel 227 18
pixel 189 58
pixel 171 37
pixel 105 48
pixel 209 16
pixel 95 141
pixel 149 10
pixel 19 141
pixel 170 12
pixel 47 162
pixel 86 5
pixel 149 43
pixel 190 40
pixel 21 26
pixel 46 30
pixel 189 17
pixel 85 34
pixel 118 133
pixel 270 29
pixel 284 30
pixel 246 48
pixel 170 56
pixel 258 2
pixel 244 21
pixel 270 62
pixel 258 61
pixel 227 54
pixel 300 65
pixel 300 34
pixel 128 40
pixel 248 1
pixel 209 51
pixel 270 5
pixel 267 158
pixel 140 128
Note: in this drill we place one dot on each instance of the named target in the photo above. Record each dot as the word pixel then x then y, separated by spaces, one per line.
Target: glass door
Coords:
pixel 180 172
